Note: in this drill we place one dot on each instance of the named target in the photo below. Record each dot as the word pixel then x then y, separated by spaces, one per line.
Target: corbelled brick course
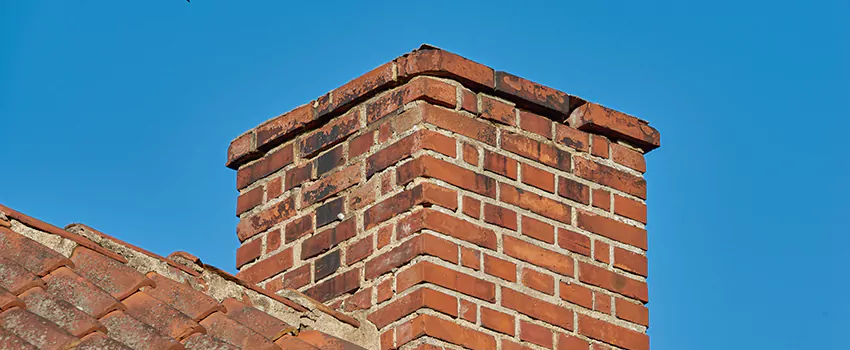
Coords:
pixel 452 205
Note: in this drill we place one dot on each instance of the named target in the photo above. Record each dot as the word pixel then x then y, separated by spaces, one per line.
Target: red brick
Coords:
pixel 425 194
pixel 536 150
pixel 358 89
pixel 385 235
pixel 327 239
pixel 422 139
pixel 614 282
pixel 361 300
pixel 602 302
pixel 429 272
pixel 572 138
pixel 538 281
pixel 500 216
pixel 468 311
pixel 427 166
pixel 470 258
pixel 264 220
pixel 612 229
pixel 271 162
pixel 534 93
pixel 439 61
pixel 602 251
pixel 470 154
pixel 424 244
pixel 471 207
pixel 497 321
pixel 535 334
pixel 452 226
pixel 453 121
pixel 298 228
pixel 249 200
pixel 361 144
pixel 576 294
pixel 363 195
pixel 535 255
pixel 359 250
pixel 629 208
pixel 269 132
pixel 335 286
pixel 274 188
pixel 574 241
pixel 568 342
pixel 537 309
pixel 385 290
pixel 500 164
pixel 509 345
pixel 297 278
pixel 420 299
pixel 591 116
pixel 537 229
pixel 326 265
pixel 387 181
pixel 600 146
pixel 612 334
pixel 601 199
pixel 267 267
pixel 469 101
pixel 273 240
pixel 497 111
pixel 537 177
pixel 632 262
pixel 610 177
pixel 534 123
pixel 420 88
pixel 573 190
pixel 428 325
pixel 628 157
pixel 388 340
pixel 536 203
pixel 503 269
pixel 330 134
pixel 330 185
pixel 248 252
pixel 242 146
pixel 298 175
pixel 632 312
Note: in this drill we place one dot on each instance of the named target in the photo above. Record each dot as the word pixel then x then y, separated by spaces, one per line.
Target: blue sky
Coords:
pixel 118 114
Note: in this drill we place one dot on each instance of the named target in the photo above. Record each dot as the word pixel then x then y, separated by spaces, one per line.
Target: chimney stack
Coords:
pixel 450 204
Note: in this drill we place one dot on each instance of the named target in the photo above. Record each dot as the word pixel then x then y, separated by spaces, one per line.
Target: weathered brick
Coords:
pixel 536 150
pixel 629 208
pixel 537 229
pixel 449 225
pixel 249 200
pixel 326 265
pixel 264 220
pixel 510 345
pixel 361 144
pixel 568 342
pixel 574 190
pixel 453 121
pixel 608 176
pixel 388 340
pixel 329 212
pixel 497 321
pixel 602 251
pixel 427 166
pixel 469 101
pixel 632 312
pixel 325 240
pixel 500 164
pixel 614 282
pixel 242 147
pixel 270 163
pixel 471 207
pixel 534 123
pixel 572 138
pixel 335 286
pixel 274 188
pixel 500 216
pixel 385 290
pixel 331 184
pixel 385 235
pixel 297 176
pixel 429 272
pixel 329 160
pixel 361 300
pixel 632 262
pixel 534 93
pixel 297 278
pixel 470 258
pixel 449 331
pixel 404 148
pixel 628 157
pixel 602 302
pixel 600 146
pixel 535 334
pixel 538 281
pixel 330 134
pixel 537 177
pixel 497 111
pixel 359 250
pixel 442 62
pixel 574 241
pixel 248 252
pixel 424 244
pixel 535 255
pixel 358 89
pixel 538 204
pixel 612 229
pixel 612 334
pixel 423 194
pixel 537 309
pixel 601 199
pixel 576 294
pixel 420 88
pixel 273 240
pixel 470 154
pixel 271 131
pixel 593 117
pixel 423 298
pixel 503 269
pixel 267 267
pixel 468 311
pixel 299 227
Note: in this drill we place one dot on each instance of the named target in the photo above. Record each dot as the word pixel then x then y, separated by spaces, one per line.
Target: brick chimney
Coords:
pixel 446 203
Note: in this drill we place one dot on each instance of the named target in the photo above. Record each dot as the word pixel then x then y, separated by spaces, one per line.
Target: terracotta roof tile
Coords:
pixel 112 295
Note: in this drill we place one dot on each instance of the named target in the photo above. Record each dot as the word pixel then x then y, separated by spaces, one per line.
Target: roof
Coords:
pixel 79 288
pixel 432 61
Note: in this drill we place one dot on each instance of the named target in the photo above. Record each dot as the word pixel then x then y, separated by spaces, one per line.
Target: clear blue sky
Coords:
pixel 118 114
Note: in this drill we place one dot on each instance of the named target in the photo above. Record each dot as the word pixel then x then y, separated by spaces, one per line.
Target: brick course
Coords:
pixel 450 204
